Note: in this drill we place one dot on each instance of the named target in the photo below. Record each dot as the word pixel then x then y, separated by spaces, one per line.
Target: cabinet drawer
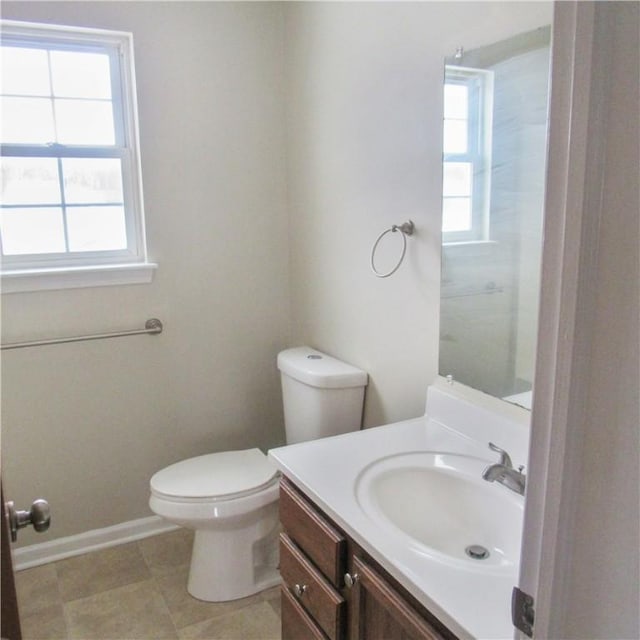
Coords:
pixel 318 597
pixel 296 622
pixel 322 543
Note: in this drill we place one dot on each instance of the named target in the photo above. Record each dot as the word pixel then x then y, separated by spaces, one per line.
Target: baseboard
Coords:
pixel 45 552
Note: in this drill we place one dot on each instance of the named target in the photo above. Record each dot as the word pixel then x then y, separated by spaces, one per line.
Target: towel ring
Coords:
pixel 406 229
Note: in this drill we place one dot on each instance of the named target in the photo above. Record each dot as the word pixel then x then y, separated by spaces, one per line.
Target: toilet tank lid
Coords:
pixel 215 475
pixel 318 369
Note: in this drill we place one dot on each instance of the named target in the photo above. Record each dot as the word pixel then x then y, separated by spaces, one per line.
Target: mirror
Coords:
pixel 495 138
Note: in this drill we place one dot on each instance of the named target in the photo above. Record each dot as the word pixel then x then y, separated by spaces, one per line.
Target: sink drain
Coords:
pixel 477 552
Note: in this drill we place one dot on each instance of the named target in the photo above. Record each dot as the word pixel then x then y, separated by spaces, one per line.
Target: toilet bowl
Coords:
pixel 230 498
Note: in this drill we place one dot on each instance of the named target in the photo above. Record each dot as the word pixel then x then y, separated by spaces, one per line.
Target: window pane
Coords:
pixel 76 74
pixel 85 122
pixel 27 120
pixel 96 228
pixel 456 179
pixel 25 72
pixel 32 231
pixel 456 214
pixel 92 180
pixel 30 181
pixel 68 187
pixel 456 101
pixel 455 136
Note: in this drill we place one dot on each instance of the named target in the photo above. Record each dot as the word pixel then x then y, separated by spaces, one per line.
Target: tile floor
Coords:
pixel 136 591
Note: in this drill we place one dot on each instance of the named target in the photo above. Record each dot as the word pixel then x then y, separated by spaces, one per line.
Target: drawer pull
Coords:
pixel 350 580
pixel 299 589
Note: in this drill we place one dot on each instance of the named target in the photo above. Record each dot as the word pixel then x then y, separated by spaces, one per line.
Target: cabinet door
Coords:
pixel 379 612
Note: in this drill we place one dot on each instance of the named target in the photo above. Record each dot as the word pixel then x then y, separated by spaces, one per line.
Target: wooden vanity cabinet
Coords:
pixel 315 558
pixel 297 624
pixel 380 612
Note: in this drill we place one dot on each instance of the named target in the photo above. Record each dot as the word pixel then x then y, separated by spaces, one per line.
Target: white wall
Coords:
pixel 356 88
pixel 603 580
pixel 87 424
pixel 364 114
pixel 582 515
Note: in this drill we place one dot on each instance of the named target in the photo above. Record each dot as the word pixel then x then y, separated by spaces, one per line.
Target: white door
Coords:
pixel 581 547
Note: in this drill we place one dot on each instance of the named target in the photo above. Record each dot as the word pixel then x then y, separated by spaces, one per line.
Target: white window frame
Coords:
pixel 480 110
pixel 131 265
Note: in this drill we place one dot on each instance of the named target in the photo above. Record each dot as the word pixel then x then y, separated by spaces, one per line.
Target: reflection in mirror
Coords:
pixel 495 134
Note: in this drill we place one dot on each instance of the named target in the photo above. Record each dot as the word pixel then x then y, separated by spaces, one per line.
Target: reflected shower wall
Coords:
pixel 490 288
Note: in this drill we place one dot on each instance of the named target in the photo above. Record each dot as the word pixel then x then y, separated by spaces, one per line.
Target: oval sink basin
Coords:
pixel 442 507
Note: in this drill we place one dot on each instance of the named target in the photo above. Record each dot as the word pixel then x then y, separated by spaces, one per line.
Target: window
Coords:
pixel 71 201
pixel 467 153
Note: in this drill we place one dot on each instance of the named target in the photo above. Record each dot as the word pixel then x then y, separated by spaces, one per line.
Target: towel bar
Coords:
pixel 151 327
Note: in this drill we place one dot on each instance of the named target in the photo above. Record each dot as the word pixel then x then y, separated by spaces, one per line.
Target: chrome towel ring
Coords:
pixel 406 229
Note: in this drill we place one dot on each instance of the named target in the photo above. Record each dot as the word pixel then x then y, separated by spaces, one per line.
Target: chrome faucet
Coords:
pixel 504 473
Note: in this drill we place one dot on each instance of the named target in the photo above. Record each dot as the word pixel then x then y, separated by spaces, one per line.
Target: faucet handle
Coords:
pixel 505 460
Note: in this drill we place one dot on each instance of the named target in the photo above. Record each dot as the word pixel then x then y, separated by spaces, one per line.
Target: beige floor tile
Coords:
pixel 187 610
pixel 47 623
pixel 272 592
pixel 37 589
pixel 136 592
pixel 99 571
pixel 254 622
pixel 133 612
pixel 165 552
pixel 272 597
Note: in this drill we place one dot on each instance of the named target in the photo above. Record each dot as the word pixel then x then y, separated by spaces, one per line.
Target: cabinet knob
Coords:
pixel 350 580
pixel 299 589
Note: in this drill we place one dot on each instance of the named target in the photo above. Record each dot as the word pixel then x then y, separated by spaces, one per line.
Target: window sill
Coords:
pixel 469 243
pixel 74 278
pixel 470 248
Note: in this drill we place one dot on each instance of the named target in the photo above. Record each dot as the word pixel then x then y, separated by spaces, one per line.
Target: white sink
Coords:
pixel 441 506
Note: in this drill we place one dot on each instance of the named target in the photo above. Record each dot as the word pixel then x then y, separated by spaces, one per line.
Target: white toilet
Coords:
pixel 230 499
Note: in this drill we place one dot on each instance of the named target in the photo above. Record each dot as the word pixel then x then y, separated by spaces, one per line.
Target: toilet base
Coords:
pixel 226 565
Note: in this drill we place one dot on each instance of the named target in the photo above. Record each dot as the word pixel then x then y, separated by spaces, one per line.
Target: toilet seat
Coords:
pixel 230 500
pixel 227 475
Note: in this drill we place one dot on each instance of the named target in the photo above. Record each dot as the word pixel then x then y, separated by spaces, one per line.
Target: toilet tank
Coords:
pixel 321 395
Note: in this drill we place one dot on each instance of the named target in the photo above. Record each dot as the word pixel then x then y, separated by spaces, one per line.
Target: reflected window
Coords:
pixel 70 186
pixel 466 154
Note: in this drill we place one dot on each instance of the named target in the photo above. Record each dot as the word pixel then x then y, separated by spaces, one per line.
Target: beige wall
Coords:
pixel 351 93
pixel 364 115
pixel 87 424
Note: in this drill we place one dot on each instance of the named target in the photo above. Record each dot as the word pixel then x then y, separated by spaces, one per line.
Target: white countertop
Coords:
pixel 472 602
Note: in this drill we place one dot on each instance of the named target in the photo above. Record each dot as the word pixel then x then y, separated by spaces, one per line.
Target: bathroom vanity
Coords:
pixel 381 527
pixel 333 588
